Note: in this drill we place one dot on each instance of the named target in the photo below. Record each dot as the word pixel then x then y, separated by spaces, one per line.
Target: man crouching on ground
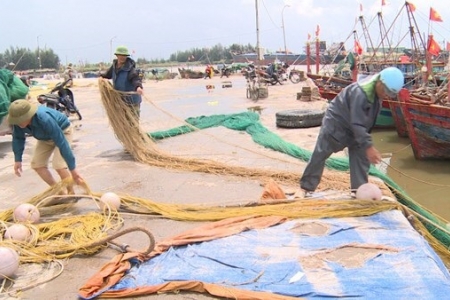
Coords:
pixel 53 132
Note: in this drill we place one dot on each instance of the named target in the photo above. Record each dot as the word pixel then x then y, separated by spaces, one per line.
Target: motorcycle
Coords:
pixel 60 98
pixel 274 75
pixel 294 75
pixel 251 72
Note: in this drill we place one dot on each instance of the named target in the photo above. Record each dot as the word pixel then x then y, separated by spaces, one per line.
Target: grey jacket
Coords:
pixel 351 116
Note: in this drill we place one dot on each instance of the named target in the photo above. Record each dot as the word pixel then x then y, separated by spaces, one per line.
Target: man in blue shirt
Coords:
pixel 53 133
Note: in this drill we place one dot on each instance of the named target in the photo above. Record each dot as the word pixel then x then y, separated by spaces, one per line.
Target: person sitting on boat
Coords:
pixel 348 122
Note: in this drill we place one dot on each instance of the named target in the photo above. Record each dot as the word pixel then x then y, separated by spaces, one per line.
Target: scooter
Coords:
pixel 61 99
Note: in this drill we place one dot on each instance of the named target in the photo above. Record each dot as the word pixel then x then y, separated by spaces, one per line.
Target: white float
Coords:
pixel 26 212
pixel 18 232
pixel 369 191
pixel 9 262
pixel 110 199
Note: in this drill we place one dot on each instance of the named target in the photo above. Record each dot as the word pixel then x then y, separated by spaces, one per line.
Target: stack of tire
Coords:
pixel 298 118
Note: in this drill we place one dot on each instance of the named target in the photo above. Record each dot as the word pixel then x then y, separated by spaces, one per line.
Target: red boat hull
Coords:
pixel 428 128
pixel 399 118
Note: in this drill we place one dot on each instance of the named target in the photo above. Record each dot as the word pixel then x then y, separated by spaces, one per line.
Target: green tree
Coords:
pixel 26 59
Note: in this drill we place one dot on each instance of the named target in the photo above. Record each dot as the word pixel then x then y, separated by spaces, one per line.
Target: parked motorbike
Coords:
pixel 273 77
pixel 60 98
pixel 294 75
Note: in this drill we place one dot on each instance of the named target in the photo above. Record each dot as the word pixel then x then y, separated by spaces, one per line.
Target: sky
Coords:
pixel 88 31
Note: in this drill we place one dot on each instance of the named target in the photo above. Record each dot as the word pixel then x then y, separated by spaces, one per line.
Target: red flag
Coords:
pixel 435 16
pixel 433 47
pixel 383 2
pixel 411 6
pixel 317 30
pixel 360 7
pixel 448 46
pixel 358 48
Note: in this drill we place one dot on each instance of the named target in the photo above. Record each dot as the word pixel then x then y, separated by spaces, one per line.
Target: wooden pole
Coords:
pixel 308 54
pixel 317 55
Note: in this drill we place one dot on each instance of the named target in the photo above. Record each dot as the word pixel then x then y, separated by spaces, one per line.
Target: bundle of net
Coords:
pixel 127 130
pixel 59 232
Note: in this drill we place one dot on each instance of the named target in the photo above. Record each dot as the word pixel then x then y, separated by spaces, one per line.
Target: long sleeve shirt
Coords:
pixel 47 124
pixel 353 113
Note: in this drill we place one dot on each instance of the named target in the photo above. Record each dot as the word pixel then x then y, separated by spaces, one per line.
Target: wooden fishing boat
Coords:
pixel 190 74
pixel 385 118
pixel 332 80
pixel 397 116
pixel 428 124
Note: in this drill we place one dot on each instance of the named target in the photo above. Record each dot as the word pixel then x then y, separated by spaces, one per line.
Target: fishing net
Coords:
pixel 147 152
pixel 84 234
pixel 144 149
pixel 248 122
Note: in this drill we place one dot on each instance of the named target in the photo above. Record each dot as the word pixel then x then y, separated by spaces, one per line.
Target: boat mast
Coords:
pixel 383 34
pixel 356 63
pixel 367 35
pixel 416 52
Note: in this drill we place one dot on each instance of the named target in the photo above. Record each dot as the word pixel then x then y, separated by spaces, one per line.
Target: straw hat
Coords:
pixel 21 111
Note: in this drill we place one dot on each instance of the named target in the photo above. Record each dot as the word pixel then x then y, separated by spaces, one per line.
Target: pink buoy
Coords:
pixel 18 232
pixel 369 191
pixel 9 262
pixel 26 212
pixel 110 199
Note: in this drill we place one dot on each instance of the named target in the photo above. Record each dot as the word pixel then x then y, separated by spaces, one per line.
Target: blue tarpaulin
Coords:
pixel 376 257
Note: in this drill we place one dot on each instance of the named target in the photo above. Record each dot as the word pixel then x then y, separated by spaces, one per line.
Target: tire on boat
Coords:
pixel 299 118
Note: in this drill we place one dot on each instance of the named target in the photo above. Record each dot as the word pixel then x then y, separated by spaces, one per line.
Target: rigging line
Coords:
pixel 427 193
pixel 267 11
pixel 401 149
pixel 414 178
pixel 82 47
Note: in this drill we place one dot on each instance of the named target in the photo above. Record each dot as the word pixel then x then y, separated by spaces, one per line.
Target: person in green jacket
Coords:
pixel 53 132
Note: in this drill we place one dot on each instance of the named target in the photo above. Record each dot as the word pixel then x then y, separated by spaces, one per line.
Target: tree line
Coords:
pixel 21 59
pixel 25 59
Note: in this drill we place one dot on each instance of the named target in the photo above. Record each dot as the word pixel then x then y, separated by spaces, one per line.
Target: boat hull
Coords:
pixel 385 119
pixel 428 128
pixel 397 113
pixel 290 59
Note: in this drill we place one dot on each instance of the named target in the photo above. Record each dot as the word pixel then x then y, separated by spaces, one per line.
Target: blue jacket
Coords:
pixel 47 124
pixel 125 79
